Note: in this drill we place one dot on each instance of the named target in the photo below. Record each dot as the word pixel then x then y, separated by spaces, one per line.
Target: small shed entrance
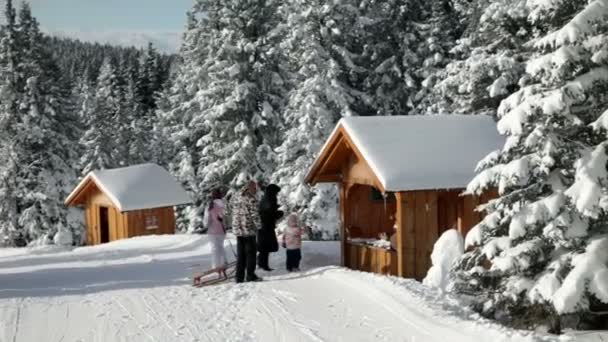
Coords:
pixel 407 172
pixel 126 202
pixel 104 226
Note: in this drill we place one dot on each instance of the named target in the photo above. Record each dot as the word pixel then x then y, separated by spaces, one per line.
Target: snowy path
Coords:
pixel 138 291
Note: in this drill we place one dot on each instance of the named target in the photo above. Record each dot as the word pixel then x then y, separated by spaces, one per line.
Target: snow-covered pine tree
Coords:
pixel 38 139
pixel 144 93
pixel 150 81
pixel 99 140
pixel 346 58
pixel 243 96
pixel 318 100
pixel 485 61
pixel 10 234
pixel 85 97
pixel 177 107
pixel 540 252
pixel 232 91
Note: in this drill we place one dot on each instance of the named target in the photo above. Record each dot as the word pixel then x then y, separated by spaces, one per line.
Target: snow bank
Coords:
pixel 448 248
pixel 63 237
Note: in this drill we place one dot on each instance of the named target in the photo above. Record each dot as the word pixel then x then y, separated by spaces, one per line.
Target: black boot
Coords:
pixel 254 278
pixel 263 261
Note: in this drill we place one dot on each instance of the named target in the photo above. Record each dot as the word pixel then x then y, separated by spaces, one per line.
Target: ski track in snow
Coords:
pixel 110 293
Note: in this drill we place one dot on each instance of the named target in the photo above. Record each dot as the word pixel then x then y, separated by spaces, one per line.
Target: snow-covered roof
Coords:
pixel 136 187
pixel 419 152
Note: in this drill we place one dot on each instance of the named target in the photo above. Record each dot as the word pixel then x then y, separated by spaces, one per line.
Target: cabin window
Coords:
pixel 151 221
pixel 377 196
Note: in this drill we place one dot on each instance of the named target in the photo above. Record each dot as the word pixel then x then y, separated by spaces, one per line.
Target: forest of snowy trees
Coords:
pixel 257 86
pixel 66 107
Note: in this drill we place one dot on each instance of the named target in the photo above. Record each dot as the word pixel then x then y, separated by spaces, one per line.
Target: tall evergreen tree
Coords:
pixel 232 101
pixel 99 140
pixel 538 247
pixel 39 145
pixel 480 60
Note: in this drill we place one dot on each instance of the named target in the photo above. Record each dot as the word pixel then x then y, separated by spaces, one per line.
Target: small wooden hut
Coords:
pixel 126 202
pixel 406 172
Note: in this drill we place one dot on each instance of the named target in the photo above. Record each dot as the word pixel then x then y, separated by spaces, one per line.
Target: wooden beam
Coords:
pixel 375 181
pixel 420 234
pixel 406 248
pixel 327 178
pixel 80 196
pixel 432 224
pixel 466 214
pixel 343 222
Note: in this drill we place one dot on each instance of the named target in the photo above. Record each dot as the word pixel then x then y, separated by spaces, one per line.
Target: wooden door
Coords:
pixel 104 225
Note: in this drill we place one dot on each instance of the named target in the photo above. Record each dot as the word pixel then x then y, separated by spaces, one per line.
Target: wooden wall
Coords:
pixel 123 225
pixel 137 222
pixel 367 218
pixel 423 216
pixel 95 200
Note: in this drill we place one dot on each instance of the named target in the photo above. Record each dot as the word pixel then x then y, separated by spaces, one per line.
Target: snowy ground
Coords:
pixel 138 290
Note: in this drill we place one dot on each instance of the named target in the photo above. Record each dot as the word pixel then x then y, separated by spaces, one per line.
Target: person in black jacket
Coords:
pixel 269 214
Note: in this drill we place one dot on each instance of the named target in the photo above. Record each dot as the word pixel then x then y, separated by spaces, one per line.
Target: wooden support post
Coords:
pixel 343 191
pixel 432 224
pixel 405 234
pixel 420 224
pixel 466 213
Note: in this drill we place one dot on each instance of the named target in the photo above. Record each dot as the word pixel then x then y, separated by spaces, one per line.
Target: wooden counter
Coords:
pixel 368 258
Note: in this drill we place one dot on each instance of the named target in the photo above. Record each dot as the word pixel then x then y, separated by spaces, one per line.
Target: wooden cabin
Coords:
pixel 126 202
pixel 403 175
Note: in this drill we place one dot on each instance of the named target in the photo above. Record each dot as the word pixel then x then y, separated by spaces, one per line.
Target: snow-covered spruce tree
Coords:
pixel 149 82
pixel 319 99
pixel 85 98
pixel 383 43
pixel 143 95
pixel 539 254
pixel 38 138
pixel 244 94
pixel 99 140
pixel 439 28
pixel 483 65
pixel 345 58
pixel 178 106
pixel 235 94
pixel 10 233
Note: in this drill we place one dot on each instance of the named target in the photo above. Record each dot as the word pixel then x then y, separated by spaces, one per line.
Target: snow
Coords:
pixel 418 152
pixel 448 248
pixel 143 186
pixel 63 237
pixel 586 192
pixel 579 27
pixel 138 290
pixel 589 266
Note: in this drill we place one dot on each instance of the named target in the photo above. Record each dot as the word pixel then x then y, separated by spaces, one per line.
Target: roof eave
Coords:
pixel 90 177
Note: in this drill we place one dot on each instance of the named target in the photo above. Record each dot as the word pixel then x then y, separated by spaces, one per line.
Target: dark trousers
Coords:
pixel 263 259
pixel 245 258
pixel 293 258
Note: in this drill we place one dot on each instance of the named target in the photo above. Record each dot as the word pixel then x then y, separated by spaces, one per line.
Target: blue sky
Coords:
pixel 115 21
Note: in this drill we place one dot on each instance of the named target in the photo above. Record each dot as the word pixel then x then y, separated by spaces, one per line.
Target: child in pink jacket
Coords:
pixel 292 242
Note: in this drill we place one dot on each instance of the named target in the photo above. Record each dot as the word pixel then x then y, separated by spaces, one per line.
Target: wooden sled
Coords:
pixel 204 278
